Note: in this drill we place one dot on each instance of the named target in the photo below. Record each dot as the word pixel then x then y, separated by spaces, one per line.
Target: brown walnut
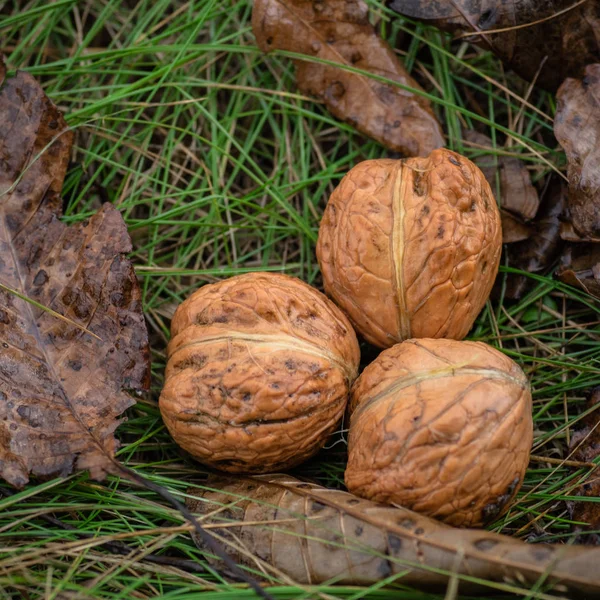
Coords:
pixel 258 373
pixel 441 427
pixel 410 248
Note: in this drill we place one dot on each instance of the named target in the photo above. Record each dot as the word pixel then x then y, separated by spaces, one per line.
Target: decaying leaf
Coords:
pixel 530 229
pixel 585 447
pixel 61 389
pixel 568 233
pixel 509 179
pixel 513 229
pixel 577 128
pixel 555 37
pixel 539 251
pixel 339 31
pixel 580 267
pixel 313 534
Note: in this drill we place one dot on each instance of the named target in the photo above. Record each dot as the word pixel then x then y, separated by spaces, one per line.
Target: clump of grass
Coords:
pixel 219 166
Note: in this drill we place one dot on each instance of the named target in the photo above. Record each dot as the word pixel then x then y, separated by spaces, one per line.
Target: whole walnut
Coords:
pixel 258 373
pixel 441 427
pixel 410 248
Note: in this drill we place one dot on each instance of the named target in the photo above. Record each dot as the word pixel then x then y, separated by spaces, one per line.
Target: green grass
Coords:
pixel 219 166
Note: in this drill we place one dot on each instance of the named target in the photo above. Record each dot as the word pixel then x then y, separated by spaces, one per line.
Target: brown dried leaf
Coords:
pixel 577 128
pixel 537 253
pixel 339 31
pixel 509 179
pixel 568 233
pixel 513 229
pixel 313 534
pixel 580 267
pixel 60 388
pixel 585 447
pixel 560 36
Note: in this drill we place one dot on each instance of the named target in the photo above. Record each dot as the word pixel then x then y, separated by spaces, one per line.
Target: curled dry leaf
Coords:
pixel 539 251
pixel 511 184
pixel 580 267
pixel 61 388
pixel 568 233
pixel 313 534
pixel 555 37
pixel 513 229
pixel 530 230
pixel 577 128
pixel 339 31
pixel 585 447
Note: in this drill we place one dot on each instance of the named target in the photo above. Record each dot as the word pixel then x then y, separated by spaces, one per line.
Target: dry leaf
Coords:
pixel 568 233
pixel 312 534
pixel 555 37
pixel 580 267
pixel 577 128
pixel 509 179
pixel 585 447
pixel 513 229
pixel 538 253
pixel 339 31
pixel 60 388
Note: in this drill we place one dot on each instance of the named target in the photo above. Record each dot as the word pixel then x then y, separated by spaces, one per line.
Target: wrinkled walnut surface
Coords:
pixel 411 248
pixel 258 373
pixel 441 427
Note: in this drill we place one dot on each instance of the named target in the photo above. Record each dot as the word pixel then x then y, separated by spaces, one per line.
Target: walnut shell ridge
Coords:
pixel 258 373
pixel 411 248
pixel 441 427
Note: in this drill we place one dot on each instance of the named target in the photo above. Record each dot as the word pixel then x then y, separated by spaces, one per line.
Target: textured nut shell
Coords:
pixel 411 248
pixel 441 427
pixel 258 372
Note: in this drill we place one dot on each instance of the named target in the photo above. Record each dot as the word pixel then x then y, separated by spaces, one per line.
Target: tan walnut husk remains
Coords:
pixel 258 374
pixel 410 248
pixel 441 427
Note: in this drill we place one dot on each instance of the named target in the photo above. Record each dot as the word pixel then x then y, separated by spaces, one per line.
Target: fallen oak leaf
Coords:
pixel 339 31
pixel 312 535
pixel 577 128
pixel 544 41
pixel 61 389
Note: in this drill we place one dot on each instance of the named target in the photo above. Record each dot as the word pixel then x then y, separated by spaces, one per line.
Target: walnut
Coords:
pixel 441 427
pixel 258 373
pixel 410 248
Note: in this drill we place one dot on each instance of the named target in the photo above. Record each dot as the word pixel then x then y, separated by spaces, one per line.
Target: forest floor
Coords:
pixel 219 167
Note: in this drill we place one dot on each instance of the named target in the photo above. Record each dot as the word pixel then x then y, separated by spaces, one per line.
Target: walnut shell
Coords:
pixel 258 373
pixel 441 427
pixel 410 248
